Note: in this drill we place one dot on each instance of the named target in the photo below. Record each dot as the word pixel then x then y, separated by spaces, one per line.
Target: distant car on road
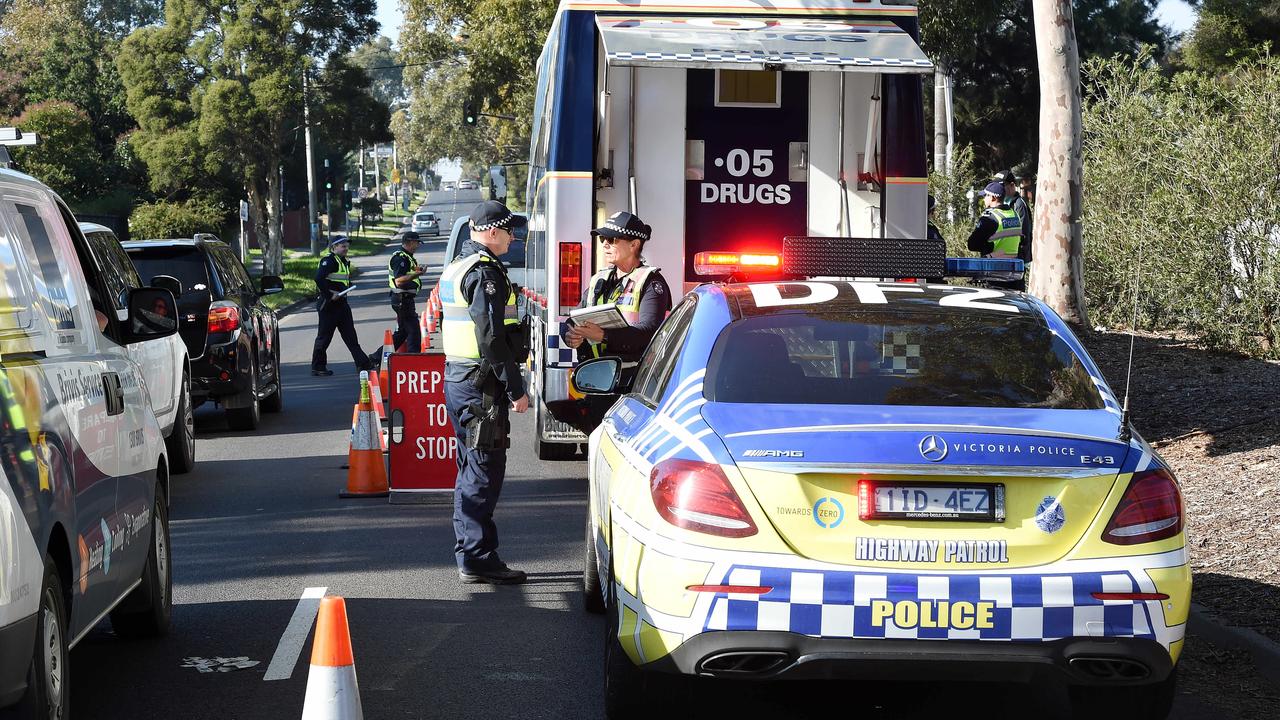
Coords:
pixel 231 336
pixel 468 185
pixel 878 479
pixel 426 223
pixel 168 367
pixel 447 185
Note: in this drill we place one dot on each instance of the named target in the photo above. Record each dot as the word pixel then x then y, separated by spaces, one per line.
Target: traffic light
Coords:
pixel 328 178
pixel 469 113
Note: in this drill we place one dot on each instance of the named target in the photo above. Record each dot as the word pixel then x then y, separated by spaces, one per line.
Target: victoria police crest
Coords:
pixel 1050 517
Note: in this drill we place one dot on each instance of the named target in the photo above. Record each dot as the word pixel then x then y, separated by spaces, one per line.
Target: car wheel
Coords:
pixel 48 675
pixel 147 610
pixel 1140 702
pixel 181 442
pixel 592 595
pixel 246 418
pixel 275 401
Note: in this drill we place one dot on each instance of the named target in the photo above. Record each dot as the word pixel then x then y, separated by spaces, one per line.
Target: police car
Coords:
pixel 850 478
pixel 84 475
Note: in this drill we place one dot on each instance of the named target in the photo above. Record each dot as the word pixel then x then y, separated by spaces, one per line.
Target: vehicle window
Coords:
pixel 98 278
pixel 898 358
pixel 15 293
pixel 118 274
pixel 660 358
pixel 235 271
pixel 515 255
pixel 184 263
pixel 57 298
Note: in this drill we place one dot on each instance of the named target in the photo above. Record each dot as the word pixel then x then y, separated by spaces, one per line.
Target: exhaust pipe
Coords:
pixel 1110 669
pixel 743 664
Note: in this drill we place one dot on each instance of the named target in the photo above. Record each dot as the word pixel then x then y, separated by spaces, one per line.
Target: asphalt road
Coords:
pixel 259 522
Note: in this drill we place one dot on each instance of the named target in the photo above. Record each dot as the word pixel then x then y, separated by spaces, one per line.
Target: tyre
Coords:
pixel 275 401
pixel 181 442
pixel 47 693
pixel 1132 702
pixel 147 610
pixel 592 594
pixel 246 418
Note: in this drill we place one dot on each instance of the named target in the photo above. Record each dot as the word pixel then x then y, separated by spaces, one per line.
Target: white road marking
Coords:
pixel 295 635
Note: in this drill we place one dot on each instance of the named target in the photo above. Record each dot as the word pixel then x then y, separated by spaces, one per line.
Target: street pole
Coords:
pixel 328 216
pixel 311 171
pixel 362 167
pixel 377 174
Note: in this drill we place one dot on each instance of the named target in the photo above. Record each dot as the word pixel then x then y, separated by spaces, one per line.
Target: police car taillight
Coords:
pixel 1150 510
pixel 223 318
pixel 732 263
pixel 697 496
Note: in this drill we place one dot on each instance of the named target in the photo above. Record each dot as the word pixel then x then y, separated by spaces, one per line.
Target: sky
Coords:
pixel 1173 13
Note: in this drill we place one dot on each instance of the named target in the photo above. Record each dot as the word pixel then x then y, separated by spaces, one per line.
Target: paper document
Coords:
pixel 606 316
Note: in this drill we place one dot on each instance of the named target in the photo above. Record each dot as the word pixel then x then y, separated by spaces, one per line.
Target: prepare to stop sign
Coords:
pixel 423 444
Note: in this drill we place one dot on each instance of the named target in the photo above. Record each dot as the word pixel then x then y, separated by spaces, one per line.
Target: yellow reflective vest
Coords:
pixel 625 295
pixel 458 331
pixel 1008 235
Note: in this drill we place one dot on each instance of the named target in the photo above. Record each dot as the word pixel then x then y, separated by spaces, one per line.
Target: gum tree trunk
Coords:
pixel 1058 276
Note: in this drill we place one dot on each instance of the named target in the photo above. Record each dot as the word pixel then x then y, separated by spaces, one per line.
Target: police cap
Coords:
pixel 410 236
pixel 1004 176
pixel 338 240
pixel 493 214
pixel 995 189
pixel 624 225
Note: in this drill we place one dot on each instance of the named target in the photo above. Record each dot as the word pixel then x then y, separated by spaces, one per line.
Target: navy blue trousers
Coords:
pixel 479 483
pixel 407 331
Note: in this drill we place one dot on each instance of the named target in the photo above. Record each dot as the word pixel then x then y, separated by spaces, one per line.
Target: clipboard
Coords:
pixel 606 316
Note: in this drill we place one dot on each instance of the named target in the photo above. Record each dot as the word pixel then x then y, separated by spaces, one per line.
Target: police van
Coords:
pixel 83 499
pixel 726 125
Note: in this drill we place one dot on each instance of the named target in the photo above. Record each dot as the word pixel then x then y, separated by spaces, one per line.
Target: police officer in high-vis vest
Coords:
pixel 637 290
pixel 405 278
pixel 333 279
pixel 482 382
pixel 999 230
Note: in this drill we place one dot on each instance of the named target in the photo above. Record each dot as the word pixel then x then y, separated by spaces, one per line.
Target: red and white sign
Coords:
pixel 424 448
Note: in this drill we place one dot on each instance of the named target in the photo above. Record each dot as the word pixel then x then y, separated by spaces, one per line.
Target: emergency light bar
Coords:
pixel 864 257
pixel 732 263
pixel 984 267
pixel 13 137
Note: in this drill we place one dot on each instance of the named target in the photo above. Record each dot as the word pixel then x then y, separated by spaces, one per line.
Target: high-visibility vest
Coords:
pixel 414 286
pixel 458 331
pixel 625 296
pixel 1008 235
pixel 343 276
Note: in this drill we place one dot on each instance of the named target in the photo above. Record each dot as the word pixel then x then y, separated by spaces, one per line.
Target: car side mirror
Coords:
pixel 167 282
pixel 153 314
pixel 599 376
pixel 271 285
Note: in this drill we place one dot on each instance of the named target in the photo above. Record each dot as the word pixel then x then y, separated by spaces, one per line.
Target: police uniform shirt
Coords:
pixel 327 288
pixel 630 342
pixel 487 289
pixel 402 264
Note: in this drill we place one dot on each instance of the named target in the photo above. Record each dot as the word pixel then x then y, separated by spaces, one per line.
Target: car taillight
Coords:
pixel 729 263
pixel 697 496
pixel 223 318
pixel 1150 510
pixel 570 275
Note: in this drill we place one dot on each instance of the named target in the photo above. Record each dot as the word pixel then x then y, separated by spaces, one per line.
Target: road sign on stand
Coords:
pixel 423 447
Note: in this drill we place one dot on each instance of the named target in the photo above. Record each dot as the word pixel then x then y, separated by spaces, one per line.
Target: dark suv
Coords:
pixel 232 338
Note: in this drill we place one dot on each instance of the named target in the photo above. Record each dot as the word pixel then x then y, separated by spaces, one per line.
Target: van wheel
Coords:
pixel 1140 702
pixel 47 693
pixel 246 418
pixel 592 596
pixel 147 610
pixel 182 439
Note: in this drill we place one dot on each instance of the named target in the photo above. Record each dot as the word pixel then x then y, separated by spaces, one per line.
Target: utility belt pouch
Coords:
pixel 487 430
pixel 519 340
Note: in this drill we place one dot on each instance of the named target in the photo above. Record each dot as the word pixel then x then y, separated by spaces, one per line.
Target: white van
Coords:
pixel 168 369
pixel 84 529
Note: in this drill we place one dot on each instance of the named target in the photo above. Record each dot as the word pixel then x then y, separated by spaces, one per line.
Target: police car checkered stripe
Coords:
pixel 758 57
pixel 839 604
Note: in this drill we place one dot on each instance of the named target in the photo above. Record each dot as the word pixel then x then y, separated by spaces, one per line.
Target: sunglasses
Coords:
pixel 613 240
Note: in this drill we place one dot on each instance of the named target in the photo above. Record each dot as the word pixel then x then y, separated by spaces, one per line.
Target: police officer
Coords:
pixel 482 381
pixel 333 277
pixel 638 290
pixel 999 230
pixel 405 278
pixel 1013 198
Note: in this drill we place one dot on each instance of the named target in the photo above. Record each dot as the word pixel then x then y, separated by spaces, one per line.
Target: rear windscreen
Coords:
pixel 184 263
pixel 886 358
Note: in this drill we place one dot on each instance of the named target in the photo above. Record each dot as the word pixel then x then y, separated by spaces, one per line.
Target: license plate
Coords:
pixel 918 501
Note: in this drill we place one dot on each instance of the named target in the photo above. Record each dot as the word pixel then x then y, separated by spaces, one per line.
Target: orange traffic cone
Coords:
pixel 332 690
pixel 388 346
pixel 366 471
pixel 375 393
pixel 429 315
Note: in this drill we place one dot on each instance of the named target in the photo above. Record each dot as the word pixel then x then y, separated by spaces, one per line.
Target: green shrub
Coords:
pixel 1182 172
pixel 167 219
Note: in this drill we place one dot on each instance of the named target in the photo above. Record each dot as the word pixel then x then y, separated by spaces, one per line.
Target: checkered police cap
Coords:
pixel 492 214
pixel 624 225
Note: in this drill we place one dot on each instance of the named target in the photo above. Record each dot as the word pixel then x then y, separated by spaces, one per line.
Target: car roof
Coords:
pixel 902 297
pixel 20 178
pixel 88 227
pixel 171 242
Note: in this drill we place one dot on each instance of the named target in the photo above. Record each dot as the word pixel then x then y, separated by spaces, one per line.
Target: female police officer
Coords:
pixel 638 291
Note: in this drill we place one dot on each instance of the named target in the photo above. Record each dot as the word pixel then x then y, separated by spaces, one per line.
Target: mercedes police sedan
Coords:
pixel 826 479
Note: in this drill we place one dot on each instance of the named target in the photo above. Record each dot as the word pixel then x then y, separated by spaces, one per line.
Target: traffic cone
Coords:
pixel 388 347
pixel 332 690
pixel 375 392
pixel 429 315
pixel 366 469
pixel 424 325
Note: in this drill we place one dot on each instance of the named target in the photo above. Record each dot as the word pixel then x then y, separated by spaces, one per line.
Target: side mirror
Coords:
pixel 598 376
pixel 153 314
pixel 271 285
pixel 167 282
